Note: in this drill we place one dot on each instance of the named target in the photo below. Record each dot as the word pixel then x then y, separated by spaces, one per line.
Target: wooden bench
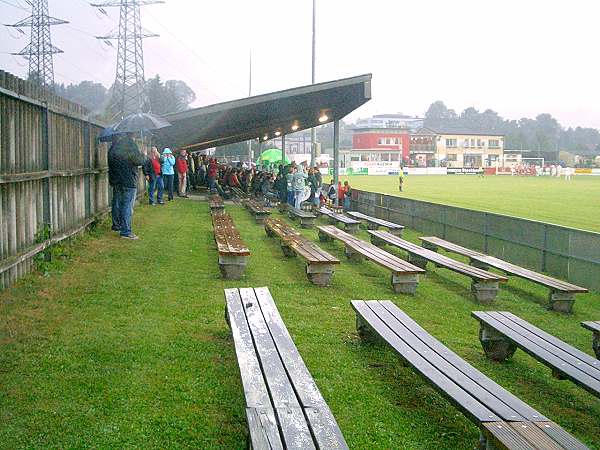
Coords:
pixel 350 225
pixel 562 293
pixel 216 203
pixel 284 407
pixel 233 253
pixel 501 333
pixel 259 212
pixel 238 194
pixel 405 276
pixel 319 264
pixel 307 219
pixel 505 421
pixel 595 328
pixel 484 285
pixel 373 223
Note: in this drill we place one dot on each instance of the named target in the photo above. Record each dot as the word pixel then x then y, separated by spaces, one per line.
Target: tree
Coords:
pixel 438 114
pixel 169 97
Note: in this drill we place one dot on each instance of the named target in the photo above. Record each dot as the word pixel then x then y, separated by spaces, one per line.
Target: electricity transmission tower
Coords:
pixel 40 50
pixel 129 94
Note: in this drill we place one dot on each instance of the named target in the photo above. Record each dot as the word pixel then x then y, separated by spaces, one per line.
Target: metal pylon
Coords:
pixel 129 95
pixel 40 50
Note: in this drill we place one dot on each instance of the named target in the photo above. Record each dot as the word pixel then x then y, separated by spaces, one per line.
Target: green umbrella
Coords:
pixel 271 156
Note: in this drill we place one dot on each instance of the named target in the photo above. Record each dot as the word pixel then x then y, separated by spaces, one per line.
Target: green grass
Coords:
pixel 573 204
pixel 125 345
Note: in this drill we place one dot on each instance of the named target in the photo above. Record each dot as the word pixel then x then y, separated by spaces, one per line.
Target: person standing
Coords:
pixel 182 169
pixel 299 182
pixel 319 185
pixel 153 176
pixel 168 173
pixel 347 196
pixel 289 178
pixel 213 172
pixel 340 193
pixel 123 162
pixel 401 179
pixel 112 181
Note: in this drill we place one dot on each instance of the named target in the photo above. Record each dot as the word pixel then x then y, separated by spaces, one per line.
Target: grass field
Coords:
pixel 124 345
pixel 574 204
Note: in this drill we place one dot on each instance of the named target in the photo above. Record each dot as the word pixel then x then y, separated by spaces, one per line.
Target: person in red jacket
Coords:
pixel 181 166
pixel 213 171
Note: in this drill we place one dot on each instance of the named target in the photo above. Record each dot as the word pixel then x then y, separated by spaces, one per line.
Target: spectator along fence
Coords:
pixel 53 173
pixel 567 253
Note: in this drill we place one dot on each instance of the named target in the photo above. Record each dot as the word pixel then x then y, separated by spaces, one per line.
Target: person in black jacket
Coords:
pixel 123 161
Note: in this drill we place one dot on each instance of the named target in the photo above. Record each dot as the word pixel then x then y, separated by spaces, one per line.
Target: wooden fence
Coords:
pixel 53 173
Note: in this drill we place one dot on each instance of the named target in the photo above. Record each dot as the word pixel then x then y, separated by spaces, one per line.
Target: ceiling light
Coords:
pixel 265 137
pixel 278 133
pixel 295 127
pixel 324 118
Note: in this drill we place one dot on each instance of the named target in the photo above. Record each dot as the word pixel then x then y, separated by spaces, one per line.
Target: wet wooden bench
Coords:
pixel 284 407
pixel 238 194
pixel 259 212
pixel 562 293
pixel 320 265
pixel 505 421
pixel 350 225
pixel 373 223
pixel 216 203
pixel 502 332
pixel 233 253
pixel 405 276
pixel 307 219
pixel 484 284
pixel 595 328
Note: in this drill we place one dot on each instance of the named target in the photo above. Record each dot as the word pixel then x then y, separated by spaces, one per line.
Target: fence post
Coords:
pixel 48 165
pixel 544 248
pixel 485 232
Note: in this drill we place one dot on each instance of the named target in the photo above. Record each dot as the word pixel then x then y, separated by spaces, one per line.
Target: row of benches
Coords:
pixel 285 409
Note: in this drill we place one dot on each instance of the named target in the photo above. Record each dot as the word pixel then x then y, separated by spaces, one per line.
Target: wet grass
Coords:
pixel 125 345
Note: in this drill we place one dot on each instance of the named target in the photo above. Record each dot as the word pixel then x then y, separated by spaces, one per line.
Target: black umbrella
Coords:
pixel 107 134
pixel 140 122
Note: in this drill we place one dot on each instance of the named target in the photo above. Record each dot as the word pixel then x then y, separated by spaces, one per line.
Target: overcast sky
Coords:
pixel 518 57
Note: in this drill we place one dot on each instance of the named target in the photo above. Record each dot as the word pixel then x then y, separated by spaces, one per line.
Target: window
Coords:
pixel 466 143
pixel 364 157
pixel 395 156
pixel 451 143
pixel 494 143
pixel 479 143
pixel 385 156
pixel 451 157
pixel 381 141
pixel 355 158
pixel 472 142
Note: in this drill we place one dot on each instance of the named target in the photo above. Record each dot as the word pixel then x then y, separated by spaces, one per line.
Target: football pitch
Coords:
pixel 574 203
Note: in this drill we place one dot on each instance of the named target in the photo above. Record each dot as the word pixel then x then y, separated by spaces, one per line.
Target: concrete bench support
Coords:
pixel 496 346
pixel 287 251
pixel 405 283
pixel 561 301
pixel 596 344
pixel 232 267
pixel 378 242
pixel 417 260
pixel 353 255
pixel 323 237
pixel 351 228
pixel 484 292
pixel 319 274
pixel 307 222
pixel 283 207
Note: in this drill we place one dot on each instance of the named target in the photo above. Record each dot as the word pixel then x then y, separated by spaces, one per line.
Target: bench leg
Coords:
pixel 377 241
pixel 484 292
pixel 324 237
pixel 232 267
pixel 291 216
pixel 485 443
pixel 353 255
pixel 331 221
pixel 282 207
pixel 319 274
pixel 351 228
pixel 405 283
pixel 496 346
pixel 561 301
pixel 365 332
pixel 259 218
pixel 417 260
pixel 287 250
pixel 269 232
pixel 372 226
pixel 596 344
pixel 558 375
pixel 307 222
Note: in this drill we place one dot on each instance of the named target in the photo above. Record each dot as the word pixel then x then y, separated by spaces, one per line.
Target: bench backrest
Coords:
pixel 274 375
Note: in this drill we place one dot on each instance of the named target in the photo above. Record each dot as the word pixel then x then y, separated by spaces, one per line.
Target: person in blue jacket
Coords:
pixel 167 162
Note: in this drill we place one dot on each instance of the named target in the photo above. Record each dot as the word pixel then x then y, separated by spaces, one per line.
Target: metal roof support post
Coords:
pixel 336 152
pixel 283 149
